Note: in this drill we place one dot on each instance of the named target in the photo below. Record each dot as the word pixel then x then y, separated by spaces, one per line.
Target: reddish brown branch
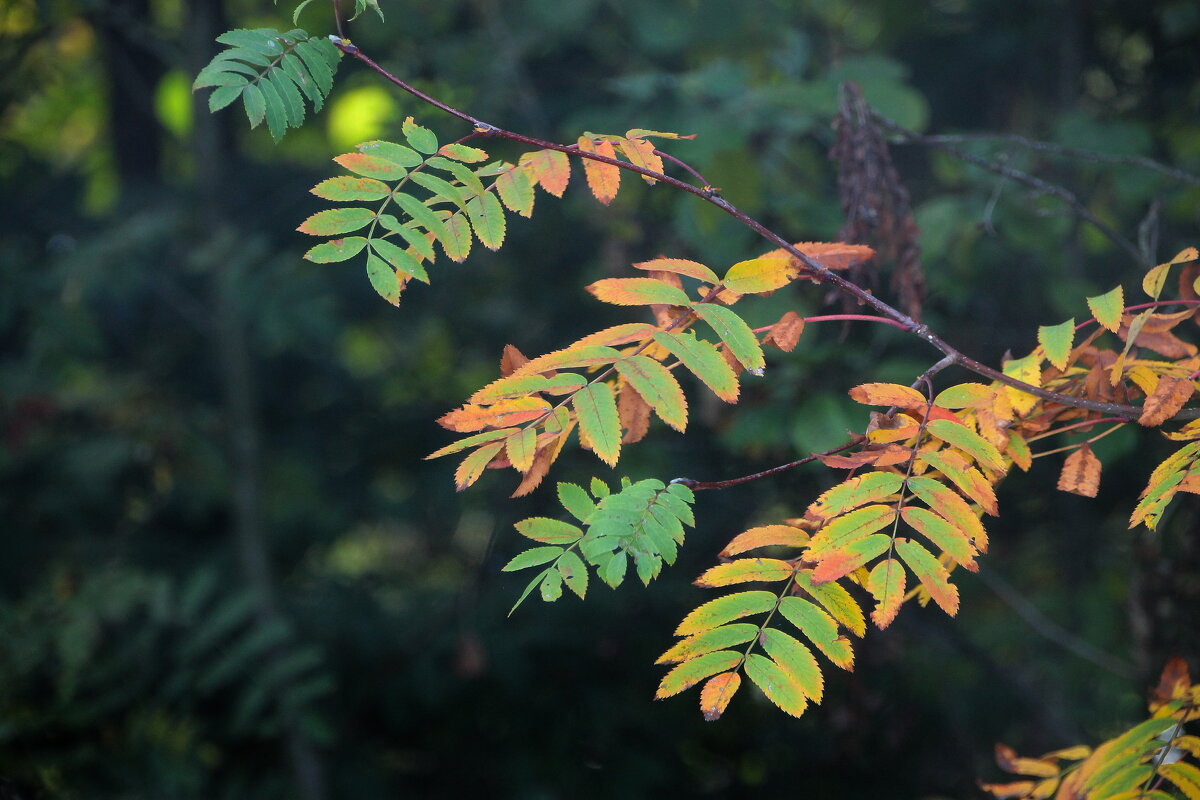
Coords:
pixel 698 486
pixel 814 268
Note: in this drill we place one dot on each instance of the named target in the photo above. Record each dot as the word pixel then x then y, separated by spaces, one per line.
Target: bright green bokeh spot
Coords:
pixel 173 103
pixel 359 115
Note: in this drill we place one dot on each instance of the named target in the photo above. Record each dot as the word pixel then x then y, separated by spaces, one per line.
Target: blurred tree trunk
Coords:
pixel 233 353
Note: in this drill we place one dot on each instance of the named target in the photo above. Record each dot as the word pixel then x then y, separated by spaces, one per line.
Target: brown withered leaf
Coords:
pixel 1080 473
pixel 511 360
pixel 634 413
pixel 785 333
pixel 1168 397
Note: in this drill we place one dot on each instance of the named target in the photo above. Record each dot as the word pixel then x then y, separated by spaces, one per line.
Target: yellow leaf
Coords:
pixel 1027 370
pixel 888 394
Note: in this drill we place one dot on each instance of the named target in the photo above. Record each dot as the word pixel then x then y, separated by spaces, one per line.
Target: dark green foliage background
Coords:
pixel 135 659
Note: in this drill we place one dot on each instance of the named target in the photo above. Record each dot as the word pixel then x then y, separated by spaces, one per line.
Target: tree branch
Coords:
pixel 814 269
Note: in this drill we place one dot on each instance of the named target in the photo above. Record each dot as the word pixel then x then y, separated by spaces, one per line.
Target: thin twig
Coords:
pixel 698 486
pixel 337 19
pixel 812 267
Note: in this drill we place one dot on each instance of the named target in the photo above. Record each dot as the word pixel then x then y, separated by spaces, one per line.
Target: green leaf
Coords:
pixel 293 103
pixel 704 362
pixel 599 489
pixel 613 572
pixel 471 441
pixel 658 388
pixel 260 40
pixel 515 188
pixel 1056 340
pixel 347 188
pixel 371 166
pixel 423 215
pixel 849 528
pixel 318 66
pixel 854 492
pixel 337 220
pixel 336 250
pixel 383 279
pixel 294 68
pixel 239 55
pixel 834 598
pixel 532 557
pixel 725 609
pixel 413 237
pixel 574 573
pixel 487 218
pixel 968 441
pixel 942 533
pixel 599 423
pixel 296 13
pixel 638 292
pixel 819 627
pixel 691 672
pixel 224 96
pixel 529 588
pixel 256 108
pixel 576 501
pixel 458 238
pixel 776 684
pixel 796 660
pixel 715 639
pixel 422 139
pixel 441 189
pixel 462 152
pixel 401 259
pixel 552 586
pixel 277 120
pixel 734 332
pixel 390 151
pixel 210 77
pixel 549 531
pixel 951 506
pixel 1107 308
pixel 463 174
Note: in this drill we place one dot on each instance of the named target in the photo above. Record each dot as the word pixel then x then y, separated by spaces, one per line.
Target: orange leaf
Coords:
pixel 888 394
pixel 503 414
pixel 634 413
pixel 765 536
pixel 886 585
pixel 541 465
pixel 716 694
pixel 603 179
pixel 1080 473
pixel 833 255
pixel 640 152
pixel 786 332
pixel 1166 400
pixel 551 169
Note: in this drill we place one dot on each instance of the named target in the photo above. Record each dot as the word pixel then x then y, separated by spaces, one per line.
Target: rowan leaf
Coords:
pixel 337 220
pixel 888 394
pixel 641 153
pixel 1107 308
pixel 930 572
pixel 473 465
pixel 819 628
pixel 487 218
pixel 471 441
pixel 734 332
pixel 1028 370
pixel 937 529
pixel 950 505
pixel 715 639
pixel 550 168
pixel 533 557
pixel 1185 776
pixel 763 274
pixel 852 493
pixel 658 387
pixel 834 598
pixel 785 334
pixel 371 166
pixel 969 480
pixel 638 292
pixel 505 413
pixel 796 660
pixel 703 360
pixel 776 684
pixel 462 152
pixel 515 187
pixel 725 609
pixel 402 260
pixel 348 188
pixel 603 179
pixel 574 573
pixel 765 536
pixel 716 694
pixel 548 531
pixel 599 423
pixel 965 395
pixel 421 139
pixel 1168 397
pixel 849 557
pixel 522 385
pixel 679 266
pixel 1056 341
pixel 849 528
pixel 336 250
pixel 383 279
pixel 573 356
pixel 886 584
pixel 691 672
pixel 1080 473
pixel 458 238
pixel 967 441
pixel 424 216
pixel 745 570
pixel 520 448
